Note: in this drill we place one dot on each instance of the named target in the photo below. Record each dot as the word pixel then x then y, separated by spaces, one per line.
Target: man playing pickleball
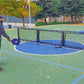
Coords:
pixel 2 31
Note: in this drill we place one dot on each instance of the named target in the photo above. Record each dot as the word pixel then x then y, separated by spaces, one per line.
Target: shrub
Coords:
pixel 40 23
pixel 51 23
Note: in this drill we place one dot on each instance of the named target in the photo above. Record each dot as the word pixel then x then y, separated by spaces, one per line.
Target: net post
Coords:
pixel 63 39
pixel 37 39
pixel 18 33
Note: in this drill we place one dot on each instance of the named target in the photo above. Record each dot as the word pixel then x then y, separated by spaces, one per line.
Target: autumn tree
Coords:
pixel 18 9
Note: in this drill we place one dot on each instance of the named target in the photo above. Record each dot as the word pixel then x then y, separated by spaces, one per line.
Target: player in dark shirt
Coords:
pixel 2 31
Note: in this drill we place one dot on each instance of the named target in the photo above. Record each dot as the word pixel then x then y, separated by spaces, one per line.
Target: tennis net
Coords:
pixel 70 39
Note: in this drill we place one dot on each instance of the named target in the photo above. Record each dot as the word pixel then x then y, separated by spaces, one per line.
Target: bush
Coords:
pixel 40 23
pixel 51 23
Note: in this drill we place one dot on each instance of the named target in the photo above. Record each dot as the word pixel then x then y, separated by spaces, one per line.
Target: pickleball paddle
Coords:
pixel 16 41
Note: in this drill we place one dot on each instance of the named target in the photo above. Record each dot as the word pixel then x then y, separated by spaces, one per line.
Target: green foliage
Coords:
pixel 71 7
pixel 51 23
pixel 81 9
pixel 49 9
pixel 40 23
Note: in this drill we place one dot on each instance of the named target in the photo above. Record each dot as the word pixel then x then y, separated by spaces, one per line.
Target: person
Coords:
pixel 2 31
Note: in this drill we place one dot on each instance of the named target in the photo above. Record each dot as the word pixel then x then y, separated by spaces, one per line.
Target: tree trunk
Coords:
pixel 63 18
pixel 45 21
pixel 72 19
pixel 23 21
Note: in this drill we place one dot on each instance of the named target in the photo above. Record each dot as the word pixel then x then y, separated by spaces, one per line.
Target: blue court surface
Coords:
pixel 7 27
pixel 81 32
pixel 44 49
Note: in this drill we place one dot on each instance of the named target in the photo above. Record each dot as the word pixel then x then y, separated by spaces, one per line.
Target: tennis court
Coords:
pixel 25 68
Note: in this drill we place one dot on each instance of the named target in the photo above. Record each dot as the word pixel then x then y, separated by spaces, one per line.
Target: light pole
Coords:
pixel 29 14
pixel 7 20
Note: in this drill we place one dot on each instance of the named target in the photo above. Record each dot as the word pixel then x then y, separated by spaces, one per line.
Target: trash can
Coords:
pixel 9 26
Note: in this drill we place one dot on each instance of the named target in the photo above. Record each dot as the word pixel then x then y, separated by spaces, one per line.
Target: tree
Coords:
pixel 18 8
pixel 71 7
pixel 81 9
pixel 49 9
